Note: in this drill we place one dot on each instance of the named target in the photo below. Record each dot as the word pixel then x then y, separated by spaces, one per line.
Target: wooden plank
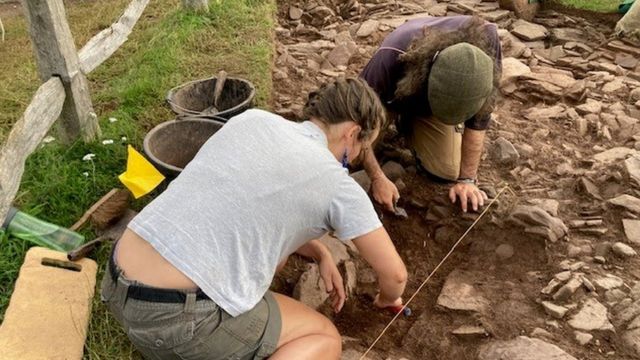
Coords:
pixel 25 136
pixel 106 42
pixel 56 56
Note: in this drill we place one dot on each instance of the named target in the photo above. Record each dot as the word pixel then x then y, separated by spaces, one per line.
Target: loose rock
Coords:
pixel 458 293
pixel 368 28
pixel 295 13
pixel 592 316
pixel 504 152
pixel 554 310
pixel 623 250
pixel 583 338
pixel 614 154
pixel 608 282
pixel 393 170
pixel 470 332
pixel 504 251
pixel 632 230
pixel 628 202
pixel 310 289
pixel 512 69
pixel 337 248
pixel 522 348
pixel 529 31
pixel 362 179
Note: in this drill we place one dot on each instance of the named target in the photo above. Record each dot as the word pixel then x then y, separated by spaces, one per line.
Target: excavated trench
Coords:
pixel 490 288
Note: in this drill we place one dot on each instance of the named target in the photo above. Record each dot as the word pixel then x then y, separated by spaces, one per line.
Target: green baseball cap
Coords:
pixel 460 81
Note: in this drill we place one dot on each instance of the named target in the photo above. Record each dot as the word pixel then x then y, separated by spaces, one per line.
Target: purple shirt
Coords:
pixel 384 70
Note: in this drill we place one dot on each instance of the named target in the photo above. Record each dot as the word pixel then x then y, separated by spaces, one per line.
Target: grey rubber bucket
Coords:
pixel 192 98
pixel 171 145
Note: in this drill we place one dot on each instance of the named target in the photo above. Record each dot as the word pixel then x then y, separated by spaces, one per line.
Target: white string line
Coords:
pixel 433 272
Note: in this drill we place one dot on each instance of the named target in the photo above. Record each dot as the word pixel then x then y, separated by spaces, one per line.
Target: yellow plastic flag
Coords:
pixel 141 176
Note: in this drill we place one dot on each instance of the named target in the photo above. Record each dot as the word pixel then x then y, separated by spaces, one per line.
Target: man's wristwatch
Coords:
pixel 467 180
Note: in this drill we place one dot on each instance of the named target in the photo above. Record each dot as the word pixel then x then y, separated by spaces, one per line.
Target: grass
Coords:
pixel 604 6
pixel 167 47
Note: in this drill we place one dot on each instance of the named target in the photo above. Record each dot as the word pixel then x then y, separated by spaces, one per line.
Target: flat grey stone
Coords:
pixel 522 348
pixel 568 289
pixel 614 154
pixel 554 310
pixel 537 221
pixel 592 316
pixel 608 282
pixel 367 28
pixel 458 293
pixel 470 332
pixel 529 31
pixel 589 107
pixel 512 69
pixel 628 202
pixel 567 34
pixel 632 164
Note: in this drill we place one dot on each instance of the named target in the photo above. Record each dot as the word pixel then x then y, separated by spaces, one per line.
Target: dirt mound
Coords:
pixel 569 123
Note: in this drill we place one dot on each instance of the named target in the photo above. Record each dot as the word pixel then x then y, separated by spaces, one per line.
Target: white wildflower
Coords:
pixel 88 157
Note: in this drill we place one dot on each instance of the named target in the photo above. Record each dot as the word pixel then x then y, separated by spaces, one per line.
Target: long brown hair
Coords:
pixel 347 99
pixel 422 49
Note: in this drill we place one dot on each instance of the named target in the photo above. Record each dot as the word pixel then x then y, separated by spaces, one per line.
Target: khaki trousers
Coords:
pixel 437 146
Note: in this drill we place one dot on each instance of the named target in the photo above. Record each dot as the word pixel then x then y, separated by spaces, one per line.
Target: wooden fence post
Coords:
pixel 56 55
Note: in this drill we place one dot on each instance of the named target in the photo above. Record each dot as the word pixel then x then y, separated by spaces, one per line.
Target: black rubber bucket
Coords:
pixel 171 145
pixel 192 98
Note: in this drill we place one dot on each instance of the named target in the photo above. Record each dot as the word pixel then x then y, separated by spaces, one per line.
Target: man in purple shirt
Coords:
pixel 437 77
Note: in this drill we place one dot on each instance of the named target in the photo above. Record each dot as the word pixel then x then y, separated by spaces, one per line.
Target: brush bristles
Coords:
pixel 111 210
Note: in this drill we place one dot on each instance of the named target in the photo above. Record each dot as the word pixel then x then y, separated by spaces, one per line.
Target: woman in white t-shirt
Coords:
pixel 189 278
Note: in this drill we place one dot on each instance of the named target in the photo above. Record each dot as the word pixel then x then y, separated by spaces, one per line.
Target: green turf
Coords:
pixel 604 6
pixel 168 47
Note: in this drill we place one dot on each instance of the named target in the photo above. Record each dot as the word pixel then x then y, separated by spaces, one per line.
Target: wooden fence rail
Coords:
pixel 26 135
pixel 64 92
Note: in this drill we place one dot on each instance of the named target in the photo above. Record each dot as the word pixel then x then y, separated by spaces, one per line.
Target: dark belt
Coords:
pixel 150 294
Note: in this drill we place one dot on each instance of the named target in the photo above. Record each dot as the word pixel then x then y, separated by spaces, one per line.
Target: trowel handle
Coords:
pixel 82 251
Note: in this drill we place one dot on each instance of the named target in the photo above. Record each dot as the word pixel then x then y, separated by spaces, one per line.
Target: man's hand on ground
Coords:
pixel 385 192
pixel 332 281
pixel 467 193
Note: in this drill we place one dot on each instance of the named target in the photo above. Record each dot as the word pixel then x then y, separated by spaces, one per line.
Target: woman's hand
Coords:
pixel 467 192
pixel 382 303
pixel 385 192
pixel 332 281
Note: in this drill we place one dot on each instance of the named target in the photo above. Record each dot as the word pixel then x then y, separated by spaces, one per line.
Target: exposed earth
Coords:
pixel 551 271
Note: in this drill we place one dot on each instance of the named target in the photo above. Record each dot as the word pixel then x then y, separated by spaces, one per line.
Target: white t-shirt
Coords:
pixel 257 190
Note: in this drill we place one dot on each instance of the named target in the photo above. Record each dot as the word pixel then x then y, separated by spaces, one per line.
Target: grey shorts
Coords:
pixel 171 324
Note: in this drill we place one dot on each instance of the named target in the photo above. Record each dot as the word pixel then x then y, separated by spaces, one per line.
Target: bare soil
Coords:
pixel 513 285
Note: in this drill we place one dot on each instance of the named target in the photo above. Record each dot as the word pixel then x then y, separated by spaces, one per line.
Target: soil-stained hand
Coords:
pixel 385 192
pixel 333 282
pixel 467 192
